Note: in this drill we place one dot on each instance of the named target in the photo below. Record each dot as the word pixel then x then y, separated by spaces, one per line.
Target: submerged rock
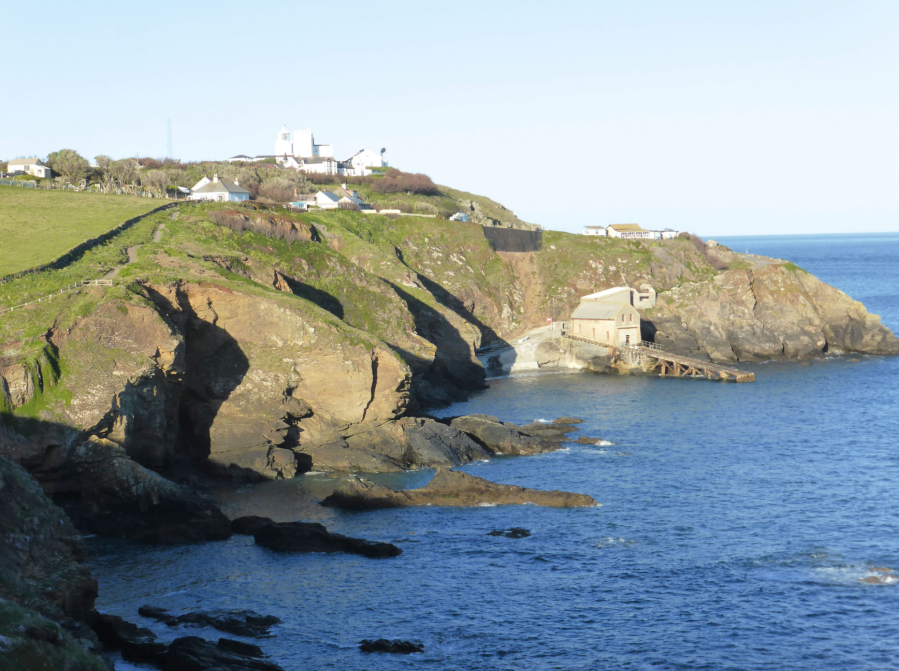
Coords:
pixel 448 488
pixel 312 537
pixel 514 532
pixel 191 653
pixel 238 622
pixel 397 646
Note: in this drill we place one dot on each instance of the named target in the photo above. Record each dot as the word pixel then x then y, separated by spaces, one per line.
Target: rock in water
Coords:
pixel 311 537
pixel 238 622
pixel 514 532
pixel 192 653
pixel 397 646
pixel 587 440
pixel 249 525
pixel 448 488
pixel 136 643
pixel 568 420
pixel 506 438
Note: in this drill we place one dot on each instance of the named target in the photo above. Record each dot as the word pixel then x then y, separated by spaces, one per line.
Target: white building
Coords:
pixel 304 146
pixel 327 200
pixel 639 299
pixel 31 166
pixel 219 190
pixel 608 318
pixel 630 232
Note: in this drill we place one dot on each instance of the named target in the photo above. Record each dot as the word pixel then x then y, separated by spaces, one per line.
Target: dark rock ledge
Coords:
pixel 308 537
pixel 448 488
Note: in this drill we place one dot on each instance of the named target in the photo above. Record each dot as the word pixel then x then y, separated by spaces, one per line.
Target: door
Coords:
pixel 627 341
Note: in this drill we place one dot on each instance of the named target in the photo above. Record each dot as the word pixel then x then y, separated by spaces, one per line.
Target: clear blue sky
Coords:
pixel 722 118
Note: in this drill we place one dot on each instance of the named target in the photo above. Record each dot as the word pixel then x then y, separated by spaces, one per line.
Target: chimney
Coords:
pixel 215 177
pixel 236 182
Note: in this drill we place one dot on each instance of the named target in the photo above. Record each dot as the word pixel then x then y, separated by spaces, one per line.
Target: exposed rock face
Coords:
pixel 119 497
pixel 136 643
pixel 448 488
pixel 410 442
pixel 309 537
pixel 506 438
pixel 43 580
pixel 775 310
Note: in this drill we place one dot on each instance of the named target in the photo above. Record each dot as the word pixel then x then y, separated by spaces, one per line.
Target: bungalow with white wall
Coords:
pixel 30 166
pixel 222 190
pixel 327 200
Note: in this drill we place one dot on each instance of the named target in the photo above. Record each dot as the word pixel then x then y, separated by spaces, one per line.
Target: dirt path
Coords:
pixel 132 254
pixel 527 273
pixel 757 261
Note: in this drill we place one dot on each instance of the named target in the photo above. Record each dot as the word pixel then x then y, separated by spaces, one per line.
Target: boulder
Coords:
pixel 448 488
pixel 396 646
pixel 311 537
pixel 238 622
pixel 191 653
pixel 119 497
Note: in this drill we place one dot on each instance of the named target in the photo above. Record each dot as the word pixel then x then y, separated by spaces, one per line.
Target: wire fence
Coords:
pixel 68 289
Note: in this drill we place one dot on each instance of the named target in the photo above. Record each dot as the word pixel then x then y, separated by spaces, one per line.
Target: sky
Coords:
pixel 715 117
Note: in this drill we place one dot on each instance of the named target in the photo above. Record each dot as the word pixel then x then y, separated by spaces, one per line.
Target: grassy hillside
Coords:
pixel 38 226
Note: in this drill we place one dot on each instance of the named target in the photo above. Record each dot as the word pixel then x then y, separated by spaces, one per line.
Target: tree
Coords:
pixel 155 181
pixel 104 164
pixel 124 171
pixel 70 165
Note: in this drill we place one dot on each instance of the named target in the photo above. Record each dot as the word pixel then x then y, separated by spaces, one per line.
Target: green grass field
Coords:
pixel 38 226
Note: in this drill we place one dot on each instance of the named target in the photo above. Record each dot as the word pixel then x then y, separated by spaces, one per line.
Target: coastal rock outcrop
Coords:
pixel 395 646
pixel 772 310
pixel 309 537
pixel 116 496
pixel 192 653
pixel 510 439
pixel 237 622
pixel 46 590
pixel 448 488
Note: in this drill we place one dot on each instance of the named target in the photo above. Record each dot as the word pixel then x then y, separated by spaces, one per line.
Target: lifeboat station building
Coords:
pixel 610 317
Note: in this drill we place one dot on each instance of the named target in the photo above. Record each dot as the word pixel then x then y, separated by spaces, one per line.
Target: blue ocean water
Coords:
pixel 737 524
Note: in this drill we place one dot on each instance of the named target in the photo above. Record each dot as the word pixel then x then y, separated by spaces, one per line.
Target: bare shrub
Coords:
pixel 349 205
pixel 717 262
pixel 150 163
pixel 240 223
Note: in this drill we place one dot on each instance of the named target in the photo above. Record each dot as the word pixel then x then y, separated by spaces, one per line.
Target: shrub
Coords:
pixel 239 223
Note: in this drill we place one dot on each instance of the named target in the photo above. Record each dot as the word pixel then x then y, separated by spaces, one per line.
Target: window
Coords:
pixel 632 319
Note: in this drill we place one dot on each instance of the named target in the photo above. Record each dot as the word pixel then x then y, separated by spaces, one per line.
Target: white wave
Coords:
pixel 543 421
pixel 486 505
pixel 855 575
pixel 611 542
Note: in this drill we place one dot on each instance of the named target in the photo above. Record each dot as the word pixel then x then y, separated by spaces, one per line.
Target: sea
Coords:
pixel 738 525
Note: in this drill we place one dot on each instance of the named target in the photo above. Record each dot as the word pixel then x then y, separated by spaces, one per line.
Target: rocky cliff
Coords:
pixel 255 343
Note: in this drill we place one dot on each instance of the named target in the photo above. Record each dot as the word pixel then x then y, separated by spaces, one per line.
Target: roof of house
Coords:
pixel 327 194
pixel 607 294
pixel 221 186
pixel 318 159
pixel 626 227
pixel 25 161
pixel 600 227
pixel 597 310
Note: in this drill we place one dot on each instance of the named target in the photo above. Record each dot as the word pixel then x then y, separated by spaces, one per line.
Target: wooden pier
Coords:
pixel 651 358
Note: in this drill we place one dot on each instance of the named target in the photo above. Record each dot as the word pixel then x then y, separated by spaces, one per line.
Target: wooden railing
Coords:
pixel 68 288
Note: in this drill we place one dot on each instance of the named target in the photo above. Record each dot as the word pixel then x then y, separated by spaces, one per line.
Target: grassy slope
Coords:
pixel 38 226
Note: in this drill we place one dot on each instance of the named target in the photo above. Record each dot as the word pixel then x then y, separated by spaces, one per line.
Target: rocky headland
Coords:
pixel 252 344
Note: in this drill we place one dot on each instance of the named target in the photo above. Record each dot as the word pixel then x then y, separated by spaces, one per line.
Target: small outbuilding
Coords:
pixel 30 166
